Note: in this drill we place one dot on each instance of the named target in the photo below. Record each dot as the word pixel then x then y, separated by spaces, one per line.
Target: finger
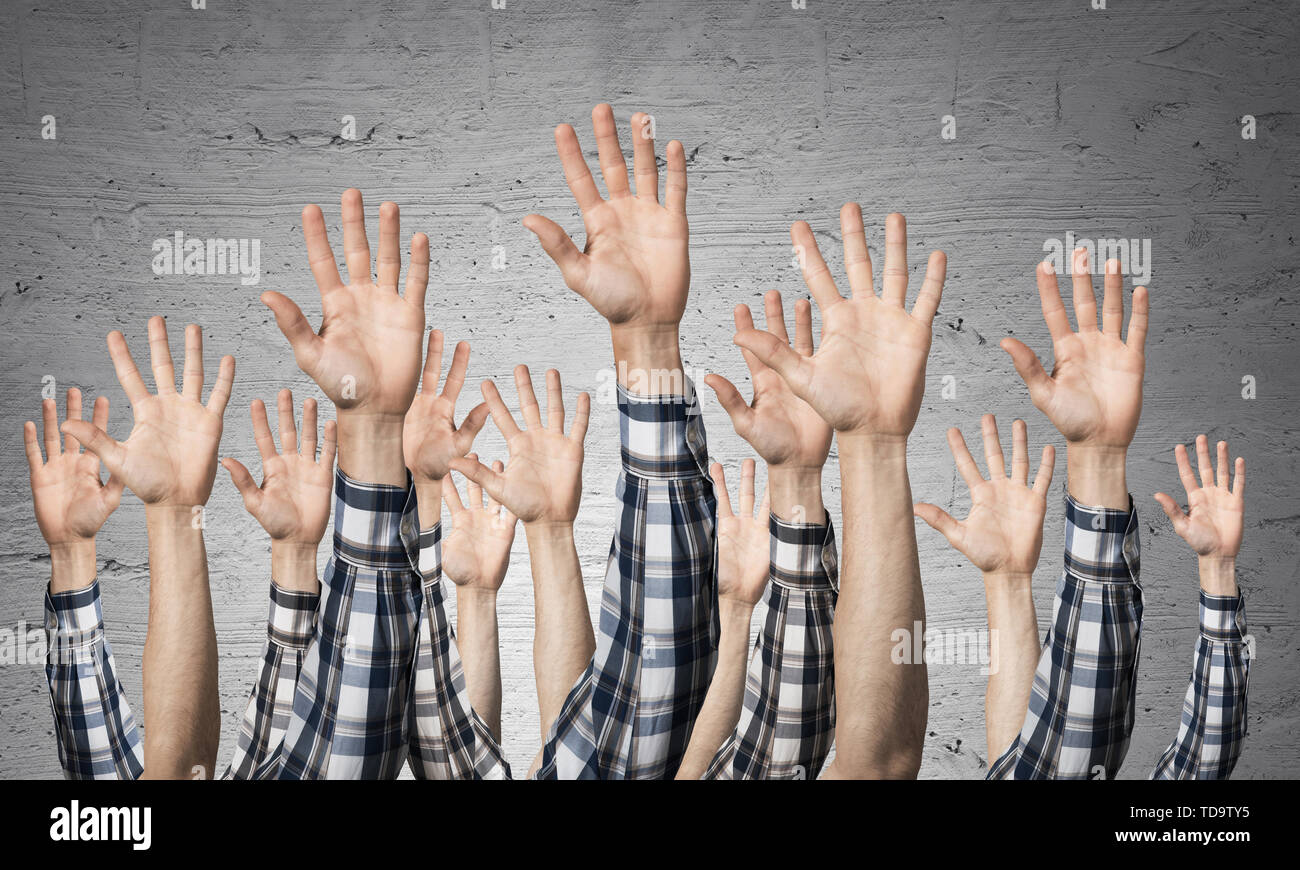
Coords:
pixel 1112 300
pixel 390 245
pixel 417 276
pixel 780 357
pixel 743 319
pixel 574 264
pixel 1137 321
pixel 815 274
pixel 576 172
pixel 98 442
pixel 32 445
pixel 1221 466
pixel 1239 478
pixel 1085 301
pixel 485 477
pixel 1030 369
pixel 284 420
pixel 1020 452
pixel 99 415
pixel 612 166
pixel 993 458
pixel 112 492
pixel 320 256
pixel 940 520
pixel 451 496
pixel 50 425
pixel 192 376
pixel 741 414
pixel 220 394
pixel 747 488
pixel 554 402
pixel 675 186
pixel 472 425
pixel 261 429
pixel 1173 511
pixel 1185 470
pixel 1049 297
pixel 160 356
pixel 803 337
pixel 243 481
pixel 581 417
pixel 720 490
pixel 857 259
pixel 456 374
pixel 1204 469
pixel 473 492
pixel 1046 466
pixel 773 315
pixel 127 374
pixel 494 506
pixel 432 362
pixel 528 406
pixel 927 301
pixel 72 411
pixel 894 284
pixel 302 338
pixel 308 448
pixel 329 446
pixel 644 166
pixel 356 247
pixel 500 413
pixel 965 462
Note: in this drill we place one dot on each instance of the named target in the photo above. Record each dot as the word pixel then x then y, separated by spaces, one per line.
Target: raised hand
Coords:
pixel 293 502
pixel 1094 393
pixel 744 549
pixel 783 428
pixel 366 356
pixel 430 439
pixel 542 482
pixel 868 376
pixel 634 269
pixel 1003 534
pixel 70 499
pixel 1213 524
pixel 170 457
pixel 476 552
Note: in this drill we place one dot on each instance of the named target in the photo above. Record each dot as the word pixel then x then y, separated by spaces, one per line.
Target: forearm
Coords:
pixel 722 704
pixel 796 494
pixel 1097 476
pixel 563 643
pixel 882 704
pixel 293 567
pixel 72 566
pixel 181 707
pixel 648 360
pixel 1014 648
pixel 370 448
pixel 478 642
pixel 1218 575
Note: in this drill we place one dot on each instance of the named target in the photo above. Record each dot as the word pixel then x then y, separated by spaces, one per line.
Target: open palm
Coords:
pixel 1216 513
pixel 868 376
pixel 170 457
pixel 542 482
pixel 70 500
pixel 476 552
pixel 744 539
pixel 635 269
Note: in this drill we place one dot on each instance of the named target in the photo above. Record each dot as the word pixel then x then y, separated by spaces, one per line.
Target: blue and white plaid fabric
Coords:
pixel 787 724
pixel 1080 714
pixel 1213 727
pixel 93 723
pixel 448 739
pixel 631 712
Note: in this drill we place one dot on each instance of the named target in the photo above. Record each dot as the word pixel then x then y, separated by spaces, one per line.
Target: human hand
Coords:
pixel 744 539
pixel 1213 525
pixel 476 552
pixel 430 439
pixel 70 500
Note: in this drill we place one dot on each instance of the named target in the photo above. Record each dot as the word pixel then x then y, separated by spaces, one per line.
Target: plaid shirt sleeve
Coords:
pixel 1213 727
pixel 449 740
pixel 290 627
pixel 93 723
pixel 1080 714
pixel 631 713
pixel 349 717
pixel 787 723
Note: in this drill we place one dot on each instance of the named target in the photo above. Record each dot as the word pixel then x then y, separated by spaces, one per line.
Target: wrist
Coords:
pixel 548 532
pixel 1004 584
pixel 428 500
pixel 648 359
pixel 1096 475
pixel 859 446
pixel 735 613
pixel 481 597
pixel 72 565
pixel 370 447
pixel 293 566
pixel 1218 575
pixel 796 494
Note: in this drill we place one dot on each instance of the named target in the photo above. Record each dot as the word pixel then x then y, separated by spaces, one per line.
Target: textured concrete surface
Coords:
pixel 223 122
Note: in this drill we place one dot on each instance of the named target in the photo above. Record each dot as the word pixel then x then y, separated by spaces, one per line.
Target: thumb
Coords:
pixel 774 353
pixel 98 442
pixel 560 248
pixel 471 426
pixel 479 473
pixel 940 520
pixel 1030 370
pixel 1173 511
pixel 289 317
pixel 243 482
pixel 112 492
pixel 732 402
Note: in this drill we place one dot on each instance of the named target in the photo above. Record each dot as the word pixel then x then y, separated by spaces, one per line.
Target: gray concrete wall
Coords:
pixel 224 122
